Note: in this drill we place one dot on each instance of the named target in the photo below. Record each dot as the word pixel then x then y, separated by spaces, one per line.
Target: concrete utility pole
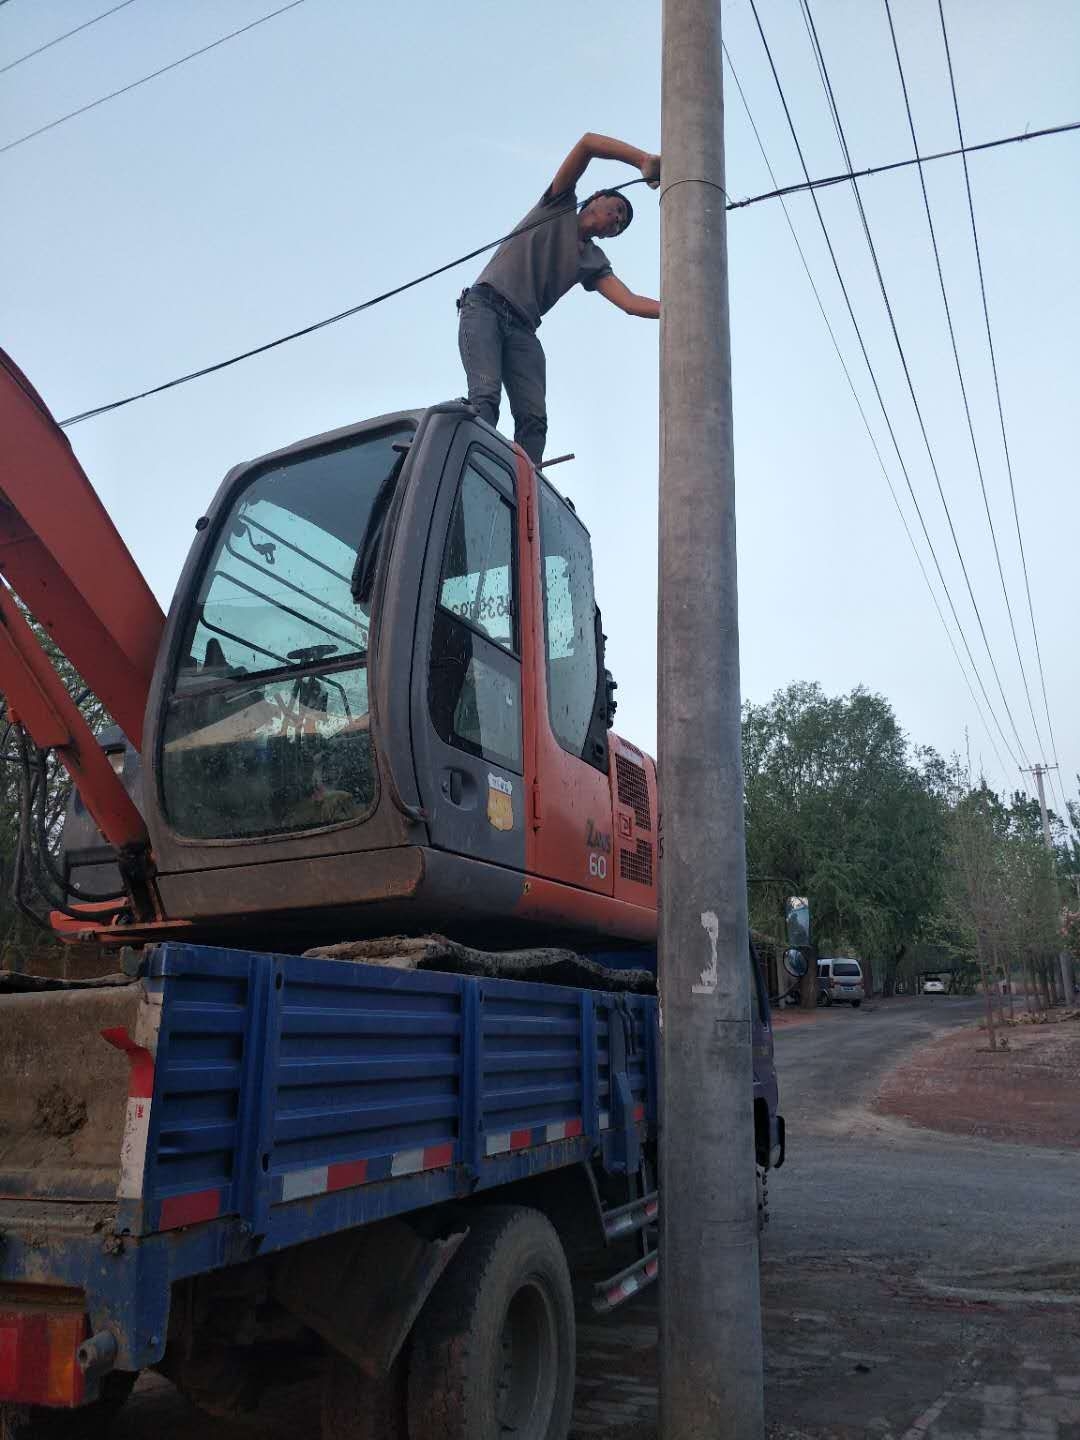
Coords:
pixel 710 1305
pixel 1064 960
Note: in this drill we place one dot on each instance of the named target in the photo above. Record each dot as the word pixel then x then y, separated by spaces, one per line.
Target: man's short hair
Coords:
pixel 615 195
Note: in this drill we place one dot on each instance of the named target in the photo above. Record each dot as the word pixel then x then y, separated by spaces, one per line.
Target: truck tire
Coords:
pixel 355 1407
pixel 493 1350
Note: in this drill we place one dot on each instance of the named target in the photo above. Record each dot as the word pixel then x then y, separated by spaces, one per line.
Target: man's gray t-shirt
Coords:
pixel 534 269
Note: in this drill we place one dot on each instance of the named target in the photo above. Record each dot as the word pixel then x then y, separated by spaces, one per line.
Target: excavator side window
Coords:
pixel 474 683
pixel 570 629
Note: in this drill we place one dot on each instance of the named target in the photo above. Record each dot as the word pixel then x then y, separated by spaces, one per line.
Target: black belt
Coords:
pixel 488 295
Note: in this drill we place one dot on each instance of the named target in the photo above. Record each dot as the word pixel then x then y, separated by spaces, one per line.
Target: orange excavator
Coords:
pixel 378 705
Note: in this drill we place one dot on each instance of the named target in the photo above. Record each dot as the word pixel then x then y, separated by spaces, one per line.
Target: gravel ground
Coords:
pixel 1025 1091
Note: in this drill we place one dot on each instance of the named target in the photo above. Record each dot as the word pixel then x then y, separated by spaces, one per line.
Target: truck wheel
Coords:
pixel 494 1347
pixel 355 1407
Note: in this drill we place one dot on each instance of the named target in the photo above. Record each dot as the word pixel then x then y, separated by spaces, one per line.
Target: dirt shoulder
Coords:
pixel 1027 1093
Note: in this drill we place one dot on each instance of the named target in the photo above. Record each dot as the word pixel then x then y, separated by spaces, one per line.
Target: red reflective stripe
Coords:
pixel 141 1077
pixel 574 1128
pixel 520 1139
pixel 436 1156
pixel 345 1174
pixel 639 1112
pixel 37 1357
pixel 193 1209
pixel 9 1356
pixel 651 1268
pixel 24 1349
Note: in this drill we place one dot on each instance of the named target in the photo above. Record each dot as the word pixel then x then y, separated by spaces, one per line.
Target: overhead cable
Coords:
pixel 778 193
pixel 322 324
pixel 997 383
pixel 66 36
pixel 831 98
pixel 865 420
pixel 124 89
pixel 877 389
pixel 960 373
pixel 826 180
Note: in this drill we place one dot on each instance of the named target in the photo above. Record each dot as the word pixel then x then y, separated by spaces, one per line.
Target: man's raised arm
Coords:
pixel 603 147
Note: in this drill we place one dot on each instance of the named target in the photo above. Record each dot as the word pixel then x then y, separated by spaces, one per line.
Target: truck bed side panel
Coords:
pixel 280 1078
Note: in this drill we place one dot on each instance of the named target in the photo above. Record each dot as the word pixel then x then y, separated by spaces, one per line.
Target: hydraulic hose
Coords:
pixel 43 854
pixel 28 789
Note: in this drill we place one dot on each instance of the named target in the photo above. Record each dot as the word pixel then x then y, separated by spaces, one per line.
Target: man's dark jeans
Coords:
pixel 499 348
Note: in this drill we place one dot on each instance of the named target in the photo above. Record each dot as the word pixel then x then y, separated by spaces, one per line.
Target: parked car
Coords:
pixel 842 979
pixel 934 987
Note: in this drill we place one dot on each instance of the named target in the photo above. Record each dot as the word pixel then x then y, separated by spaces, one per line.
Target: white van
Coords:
pixel 841 980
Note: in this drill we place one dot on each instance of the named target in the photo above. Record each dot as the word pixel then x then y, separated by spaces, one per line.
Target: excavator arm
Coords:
pixel 63 557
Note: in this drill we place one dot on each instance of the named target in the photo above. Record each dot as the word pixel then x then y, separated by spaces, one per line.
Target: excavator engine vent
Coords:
pixel 637 866
pixel 633 789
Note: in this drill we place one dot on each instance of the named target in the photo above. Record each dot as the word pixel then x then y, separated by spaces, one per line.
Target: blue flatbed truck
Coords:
pixel 347 1162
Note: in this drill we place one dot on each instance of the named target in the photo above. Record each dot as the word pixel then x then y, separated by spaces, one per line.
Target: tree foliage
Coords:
pixel 1003 888
pixel 841 809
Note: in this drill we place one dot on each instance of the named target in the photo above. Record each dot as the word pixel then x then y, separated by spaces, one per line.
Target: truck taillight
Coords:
pixel 38 1364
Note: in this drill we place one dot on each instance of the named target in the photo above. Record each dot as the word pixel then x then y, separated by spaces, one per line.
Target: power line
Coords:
pixel 997 385
pixel 809 186
pixel 124 89
pixel 877 387
pixel 825 181
pixel 321 324
pixel 865 420
pixel 960 372
pixel 66 36
pixel 831 97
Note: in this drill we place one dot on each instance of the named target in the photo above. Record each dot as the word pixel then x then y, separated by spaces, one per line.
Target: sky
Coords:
pixel 340 149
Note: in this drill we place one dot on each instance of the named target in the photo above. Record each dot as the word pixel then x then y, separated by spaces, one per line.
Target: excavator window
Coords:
pixel 266 729
pixel 574 675
pixel 474 686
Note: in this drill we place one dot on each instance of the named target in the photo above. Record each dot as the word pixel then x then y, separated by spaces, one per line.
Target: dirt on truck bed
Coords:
pixel 1026 1092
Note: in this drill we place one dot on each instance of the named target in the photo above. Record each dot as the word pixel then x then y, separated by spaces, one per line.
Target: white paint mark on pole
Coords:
pixel 711 925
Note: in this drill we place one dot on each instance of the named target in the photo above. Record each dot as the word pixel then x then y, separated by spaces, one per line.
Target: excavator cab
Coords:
pixel 381 702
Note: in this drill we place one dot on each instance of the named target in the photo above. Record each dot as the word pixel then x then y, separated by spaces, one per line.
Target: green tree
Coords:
pixel 840 809
pixel 1002 890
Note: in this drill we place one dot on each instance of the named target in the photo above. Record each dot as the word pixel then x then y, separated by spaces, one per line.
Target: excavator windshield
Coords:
pixel 266 728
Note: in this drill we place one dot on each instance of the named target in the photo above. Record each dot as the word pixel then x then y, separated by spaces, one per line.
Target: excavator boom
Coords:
pixel 64 558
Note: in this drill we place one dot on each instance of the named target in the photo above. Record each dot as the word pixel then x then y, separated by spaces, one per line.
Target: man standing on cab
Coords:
pixel 553 249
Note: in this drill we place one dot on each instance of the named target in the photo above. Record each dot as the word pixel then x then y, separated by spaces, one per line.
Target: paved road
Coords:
pixel 869 1183
pixel 916 1286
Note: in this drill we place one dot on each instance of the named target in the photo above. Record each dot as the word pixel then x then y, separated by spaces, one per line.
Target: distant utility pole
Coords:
pixel 1064 960
pixel 710 1303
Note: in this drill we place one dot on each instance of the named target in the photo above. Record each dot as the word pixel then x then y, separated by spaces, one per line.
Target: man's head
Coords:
pixel 606 213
